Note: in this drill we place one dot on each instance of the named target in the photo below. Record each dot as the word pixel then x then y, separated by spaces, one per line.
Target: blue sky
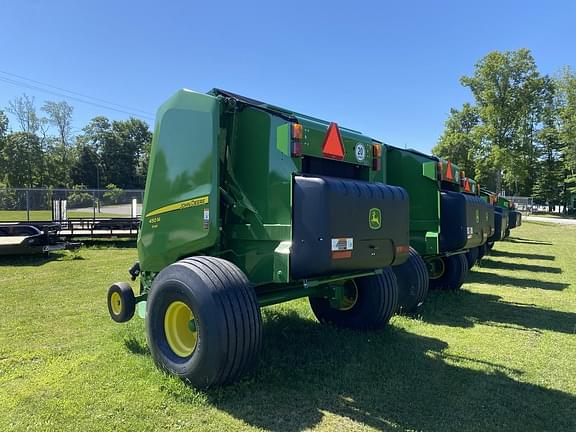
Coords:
pixel 388 69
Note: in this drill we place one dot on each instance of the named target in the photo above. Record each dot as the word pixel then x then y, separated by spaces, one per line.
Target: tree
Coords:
pixel 566 108
pixel 24 110
pixel 59 116
pixel 20 160
pixel 506 86
pixel 459 142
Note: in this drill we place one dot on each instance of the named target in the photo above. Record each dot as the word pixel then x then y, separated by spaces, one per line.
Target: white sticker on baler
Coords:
pixel 470 231
pixel 342 244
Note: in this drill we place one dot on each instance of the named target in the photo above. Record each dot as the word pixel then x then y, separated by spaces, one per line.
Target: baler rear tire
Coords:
pixel 455 271
pixel 489 246
pixel 224 333
pixel 481 252
pixel 472 257
pixel 413 283
pixel 377 299
pixel 507 233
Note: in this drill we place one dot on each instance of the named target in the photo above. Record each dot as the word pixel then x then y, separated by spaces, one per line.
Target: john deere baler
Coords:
pixel 246 205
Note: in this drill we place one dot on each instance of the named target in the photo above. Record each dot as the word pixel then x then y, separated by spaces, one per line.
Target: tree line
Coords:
pixel 519 134
pixel 41 150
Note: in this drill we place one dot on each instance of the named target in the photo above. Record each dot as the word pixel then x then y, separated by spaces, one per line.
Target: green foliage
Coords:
pixel 49 155
pixel 520 133
pixel 80 198
pixel 113 194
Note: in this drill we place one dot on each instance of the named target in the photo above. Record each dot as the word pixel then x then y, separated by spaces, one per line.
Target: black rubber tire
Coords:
pixel 489 246
pixel 227 316
pixel 482 250
pixel 455 271
pixel 507 233
pixel 376 303
pixel 472 257
pixel 127 302
pixel 412 277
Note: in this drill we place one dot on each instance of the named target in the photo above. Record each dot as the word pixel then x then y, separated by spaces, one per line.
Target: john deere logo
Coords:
pixel 477 216
pixel 375 218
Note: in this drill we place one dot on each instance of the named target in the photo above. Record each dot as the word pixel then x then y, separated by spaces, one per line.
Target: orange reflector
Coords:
pixel 402 249
pixel 449 175
pixel 332 146
pixel 377 150
pixel 297 131
pixel 467 185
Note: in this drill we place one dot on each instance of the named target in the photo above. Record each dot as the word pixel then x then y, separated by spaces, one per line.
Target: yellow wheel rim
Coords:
pixel 350 296
pixel 116 303
pixel 180 329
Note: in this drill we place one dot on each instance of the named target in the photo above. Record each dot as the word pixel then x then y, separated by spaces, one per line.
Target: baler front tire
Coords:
pixel 455 271
pixel 203 321
pixel 121 302
pixel 413 283
pixel 376 302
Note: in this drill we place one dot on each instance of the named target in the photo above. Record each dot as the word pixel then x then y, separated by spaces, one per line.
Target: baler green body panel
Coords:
pixel 221 182
pixel 417 174
pixel 181 198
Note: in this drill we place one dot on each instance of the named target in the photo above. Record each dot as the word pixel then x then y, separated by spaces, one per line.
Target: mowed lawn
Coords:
pixel 498 355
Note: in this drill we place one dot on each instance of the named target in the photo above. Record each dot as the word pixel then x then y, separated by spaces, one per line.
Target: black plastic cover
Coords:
pixel 335 226
pixel 453 234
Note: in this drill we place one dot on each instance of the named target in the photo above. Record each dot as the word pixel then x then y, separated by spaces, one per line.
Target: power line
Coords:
pixel 82 98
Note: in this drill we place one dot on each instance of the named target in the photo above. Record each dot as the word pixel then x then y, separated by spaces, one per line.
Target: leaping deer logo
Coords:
pixel 375 219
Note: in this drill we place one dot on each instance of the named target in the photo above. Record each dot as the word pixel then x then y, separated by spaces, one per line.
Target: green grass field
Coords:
pixel 498 355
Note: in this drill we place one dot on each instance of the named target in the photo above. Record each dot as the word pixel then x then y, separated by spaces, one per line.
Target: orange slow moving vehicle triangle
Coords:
pixel 449 175
pixel 332 146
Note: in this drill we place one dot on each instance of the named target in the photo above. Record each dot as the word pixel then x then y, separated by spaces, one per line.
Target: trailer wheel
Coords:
pixel 455 271
pixel 413 283
pixel 472 257
pixel 121 302
pixel 369 303
pixel 203 321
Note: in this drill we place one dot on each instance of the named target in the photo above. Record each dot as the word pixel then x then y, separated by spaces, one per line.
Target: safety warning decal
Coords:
pixel 206 218
pixel 342 248
pixel 470 232
pixel 340 244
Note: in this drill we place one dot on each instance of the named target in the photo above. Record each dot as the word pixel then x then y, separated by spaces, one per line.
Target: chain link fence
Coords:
pixel 20 204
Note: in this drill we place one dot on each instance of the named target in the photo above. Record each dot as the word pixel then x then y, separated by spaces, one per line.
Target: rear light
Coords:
pixel 297 134
pixel 440 168
pixel 376 157
pixel 296 149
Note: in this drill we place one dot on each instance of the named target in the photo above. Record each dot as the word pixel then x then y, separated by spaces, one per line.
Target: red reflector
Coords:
pixel 402 249
pixel 296 148
pixel 332 146
pixel 376 164
pixel 341 254
pixel 449 175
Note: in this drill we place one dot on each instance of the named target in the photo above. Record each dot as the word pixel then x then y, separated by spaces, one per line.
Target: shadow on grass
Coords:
pixel 109 243
pixel 527 241
pixel 498 253
pixel 388 380
pixel 136 347
pixel 494 264
pixel 37 260
pixel 465 309
pixel 496 279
